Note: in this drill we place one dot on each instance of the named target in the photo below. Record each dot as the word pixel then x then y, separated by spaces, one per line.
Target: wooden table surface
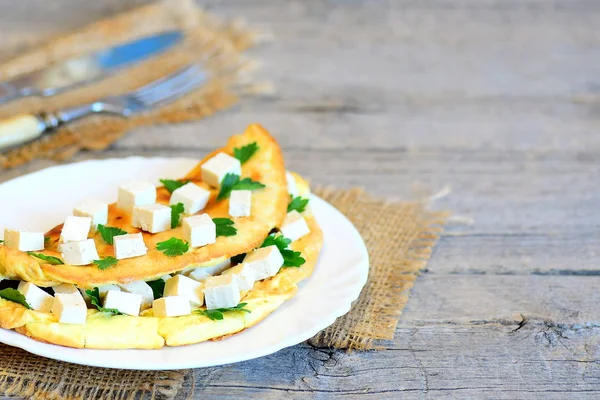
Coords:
pixel 498 99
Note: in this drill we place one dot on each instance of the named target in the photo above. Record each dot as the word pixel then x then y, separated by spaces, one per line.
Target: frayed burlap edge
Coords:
pixel 26 376
pixel 214 43
pixel 400 237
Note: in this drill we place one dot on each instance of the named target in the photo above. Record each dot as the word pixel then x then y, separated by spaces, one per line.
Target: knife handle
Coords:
pixel 21 129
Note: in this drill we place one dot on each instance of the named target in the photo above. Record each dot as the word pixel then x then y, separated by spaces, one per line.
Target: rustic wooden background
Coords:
pixel 500 100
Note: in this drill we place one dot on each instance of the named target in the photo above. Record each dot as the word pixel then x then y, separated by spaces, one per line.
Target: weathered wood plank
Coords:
pixel 451 299
pixel 334 121
pixel 566 253
pixel 527 364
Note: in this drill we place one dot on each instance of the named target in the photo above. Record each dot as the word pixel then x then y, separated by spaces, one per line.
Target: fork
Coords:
pixel 24 128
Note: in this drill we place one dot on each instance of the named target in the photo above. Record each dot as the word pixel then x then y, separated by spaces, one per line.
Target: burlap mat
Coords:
pixel 400 237
pixel 217 43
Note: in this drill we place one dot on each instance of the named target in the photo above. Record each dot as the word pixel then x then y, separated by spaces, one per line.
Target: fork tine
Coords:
pixel 154 98
pixel 167 83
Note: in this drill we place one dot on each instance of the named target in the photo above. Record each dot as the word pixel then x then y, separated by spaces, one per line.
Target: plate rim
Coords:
pixel 52 351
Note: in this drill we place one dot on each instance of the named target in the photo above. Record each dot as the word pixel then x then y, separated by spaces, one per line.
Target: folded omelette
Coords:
pixel 197 259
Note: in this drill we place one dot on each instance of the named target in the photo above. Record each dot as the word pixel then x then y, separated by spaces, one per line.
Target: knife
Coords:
pixel 87 68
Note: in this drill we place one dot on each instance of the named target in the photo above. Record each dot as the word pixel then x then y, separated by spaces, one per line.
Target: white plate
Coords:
pixel 41 200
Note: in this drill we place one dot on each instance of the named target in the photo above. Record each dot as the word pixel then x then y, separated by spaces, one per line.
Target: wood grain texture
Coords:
pixel 498 100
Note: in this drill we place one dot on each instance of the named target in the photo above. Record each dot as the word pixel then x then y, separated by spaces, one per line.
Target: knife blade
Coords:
pixel 86 68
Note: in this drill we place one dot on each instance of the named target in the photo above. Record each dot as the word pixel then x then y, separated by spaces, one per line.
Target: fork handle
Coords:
pixel 21 129
pixel 24 128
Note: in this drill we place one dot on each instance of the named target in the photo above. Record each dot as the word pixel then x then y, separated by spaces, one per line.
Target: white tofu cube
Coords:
pixel 141 288
pixel 244 274
pixel 180 285
pixel 221 292
pixel 69 308
pixel 291 184
pixel 65 288
pixel 214 170
pixel 265 262
pixel 173 306
pixel 94 209
pixel 79 253
pixel 240 203
pixel 102 290
pixel 136 193
pixel 151 218
pixel 294 226
pixel 201 273
pixel 192 196
pixel 75 229
pixel 127 303
pixel 199 230
pixel 37 299
pixel 130 245
pixel 24 241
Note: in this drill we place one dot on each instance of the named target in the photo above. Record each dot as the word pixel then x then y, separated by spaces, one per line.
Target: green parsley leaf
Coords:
pixel 158 288
pixel 297 203
pixel 1 241
pixel 277 240
pixel 94 296
pixel 106 262
pixel 225 227
pixel 248 184
pixel 109 232
pixel 244 153
pixel 217 314
pixel 232 182
pixel 227 184
pixel 291 258
pixel 176 211
pixel 172 185
pixel 173 247
pixel 48 259
pixel 15 296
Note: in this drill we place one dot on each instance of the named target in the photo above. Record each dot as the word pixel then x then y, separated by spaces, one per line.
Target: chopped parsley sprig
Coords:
pixel 298 204
pixel 48 259
pixel 94 296
pixel 15 296
pixel 173 247
pixel 232 182
pixel 225 227
pixel 158 287
pixel 172 185
pixel 217 313
pixel 245 152
pixel 176 211
pixel 291 258
pixel 106 262
pixel 109 232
